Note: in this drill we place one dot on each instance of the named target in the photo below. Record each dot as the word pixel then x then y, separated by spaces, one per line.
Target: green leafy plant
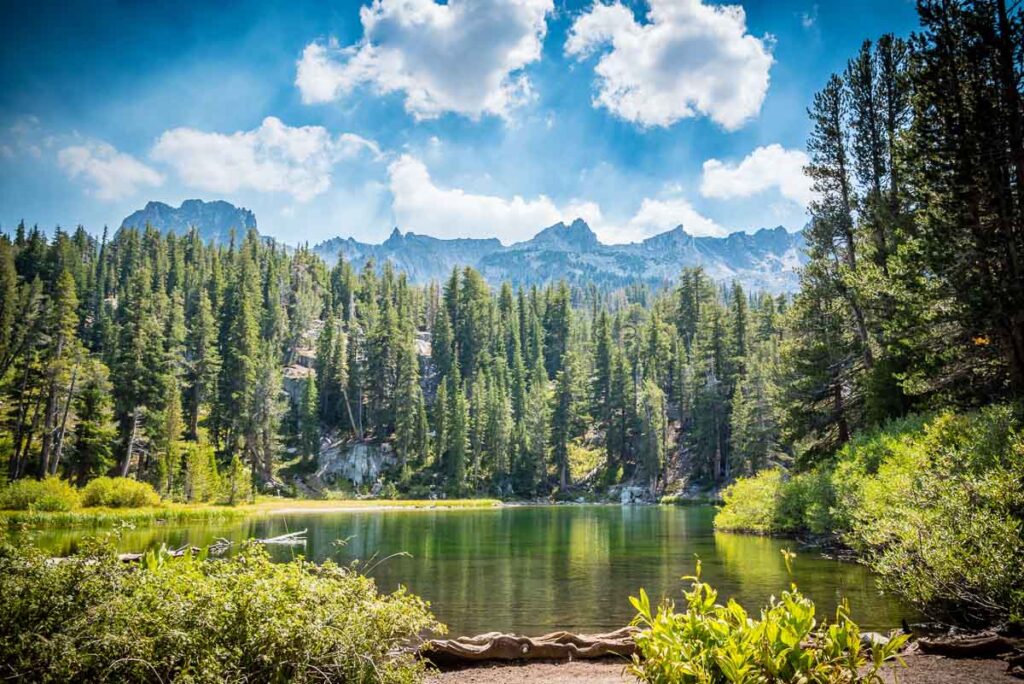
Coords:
pixel 710 643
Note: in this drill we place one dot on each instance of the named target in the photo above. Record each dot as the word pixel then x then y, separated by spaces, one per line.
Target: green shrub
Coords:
pixel 934 504
pixel 753 504
pixel 942 520
pixel 119 492
pixel 49 494
pixel 711 643
pixel 95 618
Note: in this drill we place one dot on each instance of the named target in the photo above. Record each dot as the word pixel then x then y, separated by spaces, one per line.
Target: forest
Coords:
pixel 165 359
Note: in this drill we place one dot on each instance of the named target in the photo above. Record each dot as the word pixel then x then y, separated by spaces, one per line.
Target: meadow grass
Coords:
pixel 190 513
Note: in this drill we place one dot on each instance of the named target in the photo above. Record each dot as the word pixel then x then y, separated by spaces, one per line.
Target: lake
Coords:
pixel 535 569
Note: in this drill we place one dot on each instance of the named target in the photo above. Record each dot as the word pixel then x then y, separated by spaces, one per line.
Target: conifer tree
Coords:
pixel 309 420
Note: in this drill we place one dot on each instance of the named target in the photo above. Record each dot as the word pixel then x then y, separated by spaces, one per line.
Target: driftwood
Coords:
pixel 554 646
pixel 218 548
pixel 975 646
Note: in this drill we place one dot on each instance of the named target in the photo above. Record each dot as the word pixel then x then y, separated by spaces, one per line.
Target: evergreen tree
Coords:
pixel 92 447
pixel 653 433
pixel 309 420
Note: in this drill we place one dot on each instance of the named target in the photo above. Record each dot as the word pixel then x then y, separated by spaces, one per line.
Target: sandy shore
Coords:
pixel 920 669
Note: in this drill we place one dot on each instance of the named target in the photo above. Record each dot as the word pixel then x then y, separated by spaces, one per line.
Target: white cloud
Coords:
pixel 111 174
pixel 272 158
pixel 810 18
pixel 764 168
pixel 688 59
pixel 465 56
pixel 420 205
pixel 659 215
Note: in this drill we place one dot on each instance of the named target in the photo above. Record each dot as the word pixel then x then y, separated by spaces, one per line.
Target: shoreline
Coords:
pixel 920 669
pixel 194 513
pixel 178 513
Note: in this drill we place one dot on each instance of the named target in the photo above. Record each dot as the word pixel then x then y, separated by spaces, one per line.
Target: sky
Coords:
pixel 465 118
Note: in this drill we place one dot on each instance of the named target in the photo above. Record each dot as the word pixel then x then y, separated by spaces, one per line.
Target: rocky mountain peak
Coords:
pixel 214 220
pixel 577 236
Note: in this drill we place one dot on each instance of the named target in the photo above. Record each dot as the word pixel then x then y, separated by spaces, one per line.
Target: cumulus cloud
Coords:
pixel 764 168
pixel 465 56
pixel 272 158
pixel 659 215
pixel 687 59
pixel 422 206
pixel 112 174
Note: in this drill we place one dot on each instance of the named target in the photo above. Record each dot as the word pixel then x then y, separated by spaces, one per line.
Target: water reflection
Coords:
pixel 536 569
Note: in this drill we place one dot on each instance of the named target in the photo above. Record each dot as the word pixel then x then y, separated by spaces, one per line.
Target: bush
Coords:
pixel 711 643
pixel 50 494
pixel 934 504
pixel 119 492
pixel 95 618
pixel 754 504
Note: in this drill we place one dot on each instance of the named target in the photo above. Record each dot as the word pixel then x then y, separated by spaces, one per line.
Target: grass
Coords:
pixel 709 499
pixel 188 513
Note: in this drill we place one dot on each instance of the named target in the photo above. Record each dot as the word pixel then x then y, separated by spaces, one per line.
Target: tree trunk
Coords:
pixel 15 463
pixel 49 428
pixel 28 438
pixel 126 464
pixel 64 424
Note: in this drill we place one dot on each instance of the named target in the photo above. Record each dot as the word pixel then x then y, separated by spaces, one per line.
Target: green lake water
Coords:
pixel 535 569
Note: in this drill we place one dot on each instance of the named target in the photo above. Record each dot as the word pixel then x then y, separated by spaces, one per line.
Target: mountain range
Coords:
pixel 767 260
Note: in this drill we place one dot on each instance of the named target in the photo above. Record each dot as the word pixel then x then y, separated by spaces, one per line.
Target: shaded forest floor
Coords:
pixel 920 669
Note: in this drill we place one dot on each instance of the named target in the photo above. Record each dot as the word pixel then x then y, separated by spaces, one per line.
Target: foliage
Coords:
pixel 119 492
pixel 583 459
pixel 933 504
pixel 93 617
pixel 711 643
pixel 109 517
pixel 47 495
pixel 752 504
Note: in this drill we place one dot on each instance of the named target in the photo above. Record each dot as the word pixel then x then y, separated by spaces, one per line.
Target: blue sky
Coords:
pixel 465 118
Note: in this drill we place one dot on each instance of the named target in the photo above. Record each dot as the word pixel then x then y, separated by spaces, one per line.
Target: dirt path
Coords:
pixel 920 669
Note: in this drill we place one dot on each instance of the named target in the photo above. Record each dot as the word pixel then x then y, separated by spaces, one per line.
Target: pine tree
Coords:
pixel 499 435
pixel 309 420
pixel 457 436
pixel 92 444
pixel 653 431
pixel 440 416
pixel 61 354
pixel 410 434
pixel 202 361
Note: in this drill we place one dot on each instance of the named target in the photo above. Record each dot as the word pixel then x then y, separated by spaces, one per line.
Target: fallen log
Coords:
pixel 554 646
pixel 218 548
pixel 221 545
pixel 290 538
pixel 173 553
pixel 977 646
